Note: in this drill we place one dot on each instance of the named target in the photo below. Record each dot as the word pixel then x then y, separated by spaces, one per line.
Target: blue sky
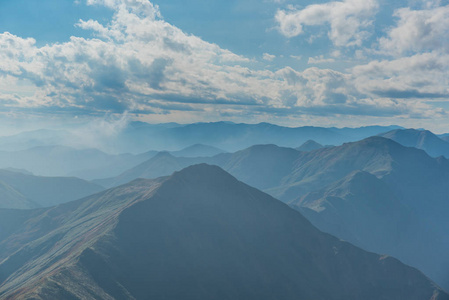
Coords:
pixel 325 63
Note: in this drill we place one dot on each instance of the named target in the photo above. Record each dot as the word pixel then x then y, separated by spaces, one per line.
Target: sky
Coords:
pixel 294 63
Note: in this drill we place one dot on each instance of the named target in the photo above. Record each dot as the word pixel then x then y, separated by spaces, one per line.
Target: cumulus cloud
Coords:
pixel 347 19
pixel 424 75
pixel 418 30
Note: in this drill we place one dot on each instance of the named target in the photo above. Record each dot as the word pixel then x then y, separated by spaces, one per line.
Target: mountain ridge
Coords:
pixel 197 233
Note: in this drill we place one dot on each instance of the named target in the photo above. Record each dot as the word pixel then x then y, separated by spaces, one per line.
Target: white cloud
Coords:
pixel 418 30
pixel 320 60
pixel 348 20
pixel 297 57
pixel 268 57
pixel 421 76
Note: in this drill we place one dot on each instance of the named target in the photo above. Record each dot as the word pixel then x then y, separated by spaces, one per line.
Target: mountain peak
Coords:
pixel 421 139
pixel 162 154
pixel 202 173
pixel 310 145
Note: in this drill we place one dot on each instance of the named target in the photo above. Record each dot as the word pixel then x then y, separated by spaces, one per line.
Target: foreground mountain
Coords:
pixel 421 139
pixel 198 234
pixel 27 191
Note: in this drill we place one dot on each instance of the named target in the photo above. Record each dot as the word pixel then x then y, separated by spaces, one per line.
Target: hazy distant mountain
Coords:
pixel 199 234
pixel 360 133
pixel 66 161
pixel 35 138
pixel 23 171
pixel 45 191
pixel 310 145
pixel 162 164
pixel 139 137
pixel 197 150
pixel 262 166
pixel 444 137
pixel 421 139
pixel 11 198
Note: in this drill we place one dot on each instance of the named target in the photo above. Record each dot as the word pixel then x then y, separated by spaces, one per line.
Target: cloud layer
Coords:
pixel 139 63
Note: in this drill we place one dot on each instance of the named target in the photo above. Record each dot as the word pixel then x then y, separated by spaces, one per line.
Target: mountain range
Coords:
pixel 375 193
pixel 198 234
pixel 86 163
pixel 140 137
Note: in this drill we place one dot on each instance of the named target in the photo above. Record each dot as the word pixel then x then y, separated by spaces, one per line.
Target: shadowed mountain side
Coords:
pixel 199 234
pixel 365 211
pixel 47 191
pixel 421 139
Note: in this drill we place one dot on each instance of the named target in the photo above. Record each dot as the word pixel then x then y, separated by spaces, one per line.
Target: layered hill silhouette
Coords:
pixel 421 139
pixel 198 234
pixel 139 137
pixel 418 184
pixel 19 190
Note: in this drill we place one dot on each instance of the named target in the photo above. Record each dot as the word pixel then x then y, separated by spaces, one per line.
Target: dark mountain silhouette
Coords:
pixel 421 139
pixel 198 234
pixel 44 191
pixel 310 145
